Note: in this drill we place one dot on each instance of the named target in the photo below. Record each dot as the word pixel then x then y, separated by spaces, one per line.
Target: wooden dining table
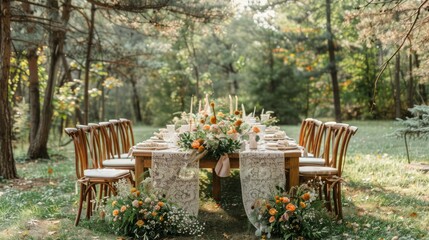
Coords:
pixel 143 159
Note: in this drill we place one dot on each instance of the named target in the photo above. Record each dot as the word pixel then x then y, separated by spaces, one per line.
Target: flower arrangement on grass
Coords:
pixel 144 215
pixel 299 215
pixel 216 134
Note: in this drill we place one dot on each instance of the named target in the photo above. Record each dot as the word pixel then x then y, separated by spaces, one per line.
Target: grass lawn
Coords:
pixel 384 197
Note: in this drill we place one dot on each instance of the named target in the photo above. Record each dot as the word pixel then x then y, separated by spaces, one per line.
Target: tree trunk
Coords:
pixel 332 64
pixel 33 92
pixel 397 84
pixel 39 146
pixel 7 162
pixel 33 88
pixel 136 101
pixel 422 88
pixel 88 65
pixel 410 95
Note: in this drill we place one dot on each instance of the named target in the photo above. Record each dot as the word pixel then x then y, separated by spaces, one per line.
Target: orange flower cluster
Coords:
pixel 255 129
pixel 306 196
pixel 140 223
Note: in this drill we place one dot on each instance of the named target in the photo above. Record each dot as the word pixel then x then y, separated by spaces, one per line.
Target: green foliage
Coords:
pixel 417 126
pixel 145 215
pixel 293 216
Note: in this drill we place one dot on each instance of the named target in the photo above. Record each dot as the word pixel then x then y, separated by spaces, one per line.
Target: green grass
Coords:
pixel 383 196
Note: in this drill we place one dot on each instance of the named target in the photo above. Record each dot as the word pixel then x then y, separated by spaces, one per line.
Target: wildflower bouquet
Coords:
pixel 143 215
pixel 292 216
pixel 216 134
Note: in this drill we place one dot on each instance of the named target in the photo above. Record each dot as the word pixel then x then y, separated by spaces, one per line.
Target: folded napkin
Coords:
pixel 151 144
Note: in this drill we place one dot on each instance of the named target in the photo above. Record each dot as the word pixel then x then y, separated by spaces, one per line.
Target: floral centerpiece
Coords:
pixel 215 134
pixel 299 215
pixel 144 215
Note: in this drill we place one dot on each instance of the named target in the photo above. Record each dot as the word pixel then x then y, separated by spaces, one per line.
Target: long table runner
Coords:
pixel 260 173
pixel 176 174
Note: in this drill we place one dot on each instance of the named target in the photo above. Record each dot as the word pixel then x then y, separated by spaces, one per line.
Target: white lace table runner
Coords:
pixel 176 174
pixel 260 173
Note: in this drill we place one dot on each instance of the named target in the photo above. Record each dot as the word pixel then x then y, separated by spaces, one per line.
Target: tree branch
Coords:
pixel 385 64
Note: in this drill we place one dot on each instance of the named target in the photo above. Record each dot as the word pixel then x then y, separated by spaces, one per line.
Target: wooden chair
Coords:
pixel 335 149
pixel 306 133
pixel 112 157
pixel 129 134
pixel 313 158
pixel 124 135
pixel 89 175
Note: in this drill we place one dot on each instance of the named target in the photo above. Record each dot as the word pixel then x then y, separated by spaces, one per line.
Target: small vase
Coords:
pixel 253 144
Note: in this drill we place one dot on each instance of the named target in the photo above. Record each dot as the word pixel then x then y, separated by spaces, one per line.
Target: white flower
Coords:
pixel 135 203
pixel 147 200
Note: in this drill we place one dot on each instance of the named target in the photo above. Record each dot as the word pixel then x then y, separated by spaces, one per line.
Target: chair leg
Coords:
pixel 339 202
pixel 327 192
pixel 91 193
pixel 81 199
pixel 335 197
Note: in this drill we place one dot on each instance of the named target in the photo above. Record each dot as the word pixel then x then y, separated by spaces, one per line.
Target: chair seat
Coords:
pixel 316 170
pixel 104 173
pixel 119 162
pixel 311 161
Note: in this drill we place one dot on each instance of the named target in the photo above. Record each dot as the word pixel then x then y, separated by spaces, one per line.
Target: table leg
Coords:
pixel 139 170
pixel 293 176
pixel 215 186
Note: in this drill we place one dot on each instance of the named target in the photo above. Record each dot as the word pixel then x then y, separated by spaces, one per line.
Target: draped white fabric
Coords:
pixel 176 174
pixel 260 173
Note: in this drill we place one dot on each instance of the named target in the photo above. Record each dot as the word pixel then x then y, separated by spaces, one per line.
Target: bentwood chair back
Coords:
pixel 306 135
pixel 123 142
pixel 128 128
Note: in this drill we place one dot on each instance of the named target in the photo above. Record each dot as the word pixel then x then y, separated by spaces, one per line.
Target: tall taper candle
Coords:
pixel 230 105
pixel 236 102
pixel 192 103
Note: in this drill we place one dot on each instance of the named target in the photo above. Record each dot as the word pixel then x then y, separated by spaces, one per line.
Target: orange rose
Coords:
pixel 290 207
pixel 285 200
pixel 140 203
pixel 140 223
pixel 276 197
pixel 195 144
pixel 133 190
pixel 231 131
pixel 255 129
pixel 115 212
pixel 302 204
pixel 161 204
pixel 236 112
pixel 238 122
pixel 154 214
pixel 306 196
pixel 268 206
pixel 123 208
pixel 272 211
pixel 277 201
pixel 272 219
pixel 213 120
pixel 201 148
pixel 206 127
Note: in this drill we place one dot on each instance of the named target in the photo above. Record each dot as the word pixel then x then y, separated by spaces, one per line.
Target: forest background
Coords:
pixel 68 62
